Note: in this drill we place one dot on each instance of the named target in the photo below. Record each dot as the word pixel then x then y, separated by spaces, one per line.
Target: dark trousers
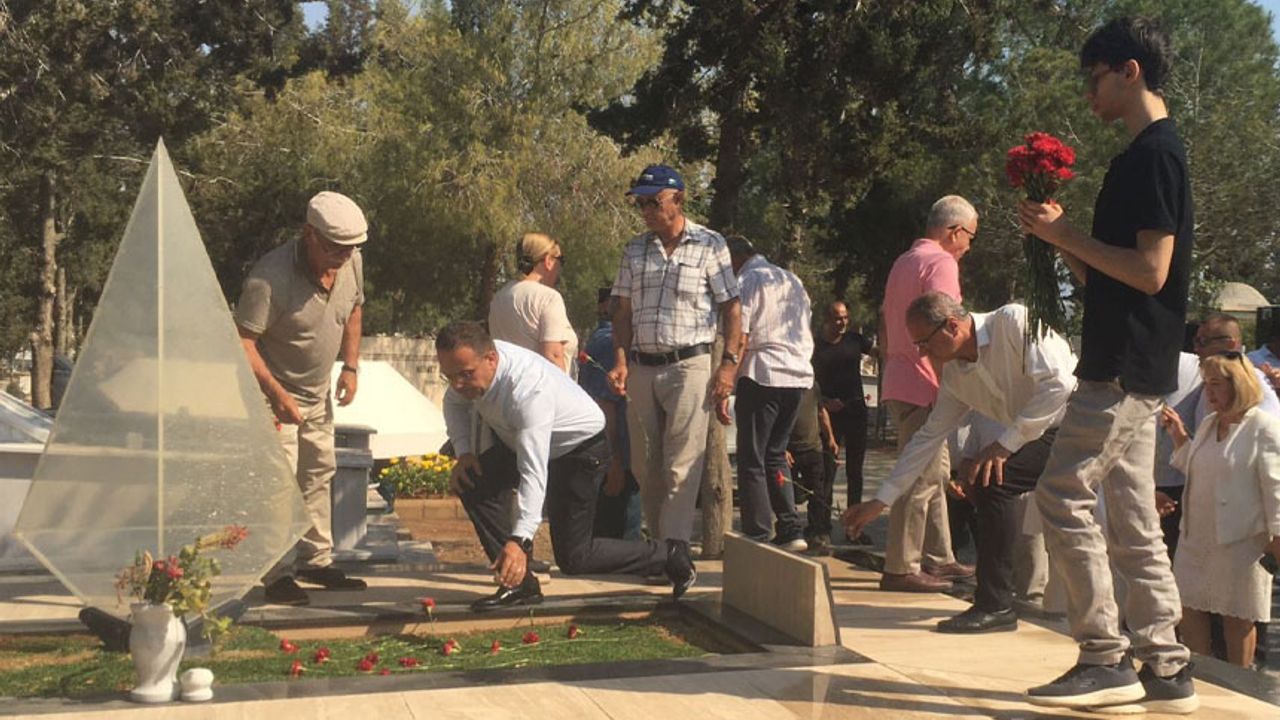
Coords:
pixel 850 427
pixel 999 524
pixel 573 485
pixel 813 486
pixel 1169 523
pixel 765 417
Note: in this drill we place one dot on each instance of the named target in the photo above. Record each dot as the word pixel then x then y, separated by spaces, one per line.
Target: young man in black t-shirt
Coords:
pixel 1135 268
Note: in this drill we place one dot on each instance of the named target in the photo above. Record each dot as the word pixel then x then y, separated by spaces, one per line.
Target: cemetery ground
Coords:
pixel 636 655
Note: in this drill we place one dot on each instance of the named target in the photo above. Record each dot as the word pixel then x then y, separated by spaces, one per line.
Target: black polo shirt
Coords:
pixel 837 367
pixel 1128 334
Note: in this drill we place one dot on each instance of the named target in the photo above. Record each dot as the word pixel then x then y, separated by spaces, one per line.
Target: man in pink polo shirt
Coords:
pixel 918 554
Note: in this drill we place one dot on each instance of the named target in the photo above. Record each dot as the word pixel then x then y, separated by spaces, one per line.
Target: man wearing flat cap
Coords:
pixel 673 284
pixel 299 310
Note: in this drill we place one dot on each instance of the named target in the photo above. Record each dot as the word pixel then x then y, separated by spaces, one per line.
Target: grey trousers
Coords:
pixel 668 409
pixel 1107 440
pixel 918 526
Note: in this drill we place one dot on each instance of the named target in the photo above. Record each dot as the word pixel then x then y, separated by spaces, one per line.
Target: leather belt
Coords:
pixel 674 356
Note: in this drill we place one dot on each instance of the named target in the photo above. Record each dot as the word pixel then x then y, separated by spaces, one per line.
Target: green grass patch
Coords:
pixel 76 665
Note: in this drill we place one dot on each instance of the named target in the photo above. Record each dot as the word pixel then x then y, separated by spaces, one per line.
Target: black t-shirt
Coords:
pixel 838 367
pixel 1128 334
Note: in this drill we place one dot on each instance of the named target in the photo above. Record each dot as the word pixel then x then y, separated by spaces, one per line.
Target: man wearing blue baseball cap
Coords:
pixel 672 282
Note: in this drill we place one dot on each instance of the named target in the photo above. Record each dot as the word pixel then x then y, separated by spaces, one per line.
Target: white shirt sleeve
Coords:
pixel 535 418
pixel 1052 373
pixel 947 415
pixel 457 422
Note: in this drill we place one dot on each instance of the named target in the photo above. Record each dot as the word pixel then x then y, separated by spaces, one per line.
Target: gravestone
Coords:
pixel 787 592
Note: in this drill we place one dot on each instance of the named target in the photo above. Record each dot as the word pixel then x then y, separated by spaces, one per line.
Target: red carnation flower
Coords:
pixel 408 662
pixel 449 648
pixel 428 604
pixel 365 665
pixel 573 632
pixel 583 357
pixel 779 479
pixel 288 647
pixel 530 638
pixel 372 657
pixel 495 647
pixel 384 671
pixel 321 656
pixel 296 669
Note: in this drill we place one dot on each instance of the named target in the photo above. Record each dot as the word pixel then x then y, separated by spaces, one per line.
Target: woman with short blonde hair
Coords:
pixel 1231 508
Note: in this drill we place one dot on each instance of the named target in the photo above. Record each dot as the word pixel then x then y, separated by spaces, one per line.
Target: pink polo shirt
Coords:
pixel 908 376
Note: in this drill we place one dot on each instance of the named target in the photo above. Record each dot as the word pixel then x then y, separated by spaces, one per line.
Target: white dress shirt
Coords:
pixel 537 411
pixel 1026 394
pixel 775 318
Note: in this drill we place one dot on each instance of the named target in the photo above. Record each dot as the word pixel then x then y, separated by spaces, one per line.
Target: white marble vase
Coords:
pixel 156 643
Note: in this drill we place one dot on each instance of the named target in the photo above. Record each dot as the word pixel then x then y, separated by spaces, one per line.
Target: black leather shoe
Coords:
pixel 286 592
pixel 679 568
pixel 974 620
pixel 111 630
pixel 331 578
pixel 528 592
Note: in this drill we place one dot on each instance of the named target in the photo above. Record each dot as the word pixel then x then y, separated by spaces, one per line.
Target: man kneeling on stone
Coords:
pixel 1024 387
pixel 549 445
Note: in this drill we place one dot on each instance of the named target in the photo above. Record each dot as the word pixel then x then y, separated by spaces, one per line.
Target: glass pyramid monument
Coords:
pixel 162 435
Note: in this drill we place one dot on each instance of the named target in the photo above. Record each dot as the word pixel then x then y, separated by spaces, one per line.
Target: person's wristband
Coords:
pixel 526 544
pixel 350 368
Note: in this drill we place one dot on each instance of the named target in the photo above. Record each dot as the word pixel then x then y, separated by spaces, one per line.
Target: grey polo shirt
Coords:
pixel 299 324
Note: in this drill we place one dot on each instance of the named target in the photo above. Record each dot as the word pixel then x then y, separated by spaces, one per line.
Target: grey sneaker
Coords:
pixel 1173 695
pixel 1090 686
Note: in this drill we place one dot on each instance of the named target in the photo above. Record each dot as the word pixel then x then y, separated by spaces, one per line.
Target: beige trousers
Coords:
pixel 1106 444
pixel 310 449
pixel 668 409
pixel 918 527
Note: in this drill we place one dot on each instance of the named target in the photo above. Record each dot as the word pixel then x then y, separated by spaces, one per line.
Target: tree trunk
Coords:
pixel 717 482
pixel 43 337
pixel 727 184
pixel 61 314
pixel 488 284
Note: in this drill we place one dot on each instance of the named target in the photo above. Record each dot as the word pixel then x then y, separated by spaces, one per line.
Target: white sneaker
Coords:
pixel 796 545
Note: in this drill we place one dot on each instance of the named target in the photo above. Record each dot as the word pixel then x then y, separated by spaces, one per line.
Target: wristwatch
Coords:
pixel 526 544
pixel 350 368
pixel 732 358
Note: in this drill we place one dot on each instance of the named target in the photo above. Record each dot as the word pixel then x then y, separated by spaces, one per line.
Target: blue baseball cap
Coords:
pixel 656 178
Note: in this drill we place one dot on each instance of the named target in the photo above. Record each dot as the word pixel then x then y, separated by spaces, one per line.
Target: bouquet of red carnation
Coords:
pixel 1041 165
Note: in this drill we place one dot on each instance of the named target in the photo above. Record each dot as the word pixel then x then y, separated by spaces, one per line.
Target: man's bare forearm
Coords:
pixel 266 381
pixel 731 322
pixel 351 332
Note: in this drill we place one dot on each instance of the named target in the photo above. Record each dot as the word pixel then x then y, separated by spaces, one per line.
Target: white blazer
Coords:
pixel 1247 495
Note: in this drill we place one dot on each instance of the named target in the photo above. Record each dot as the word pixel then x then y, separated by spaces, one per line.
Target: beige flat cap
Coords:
pixel 337 218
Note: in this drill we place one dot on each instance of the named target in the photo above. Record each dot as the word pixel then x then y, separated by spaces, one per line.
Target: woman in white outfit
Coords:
pixel 1231 508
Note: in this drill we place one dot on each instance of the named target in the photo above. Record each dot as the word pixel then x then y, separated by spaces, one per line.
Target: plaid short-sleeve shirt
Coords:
pixel 674 299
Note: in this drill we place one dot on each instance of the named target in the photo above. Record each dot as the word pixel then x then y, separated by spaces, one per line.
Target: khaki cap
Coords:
pixel 337 218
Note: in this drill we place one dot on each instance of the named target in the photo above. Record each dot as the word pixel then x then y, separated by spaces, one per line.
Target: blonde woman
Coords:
pixel 1231 508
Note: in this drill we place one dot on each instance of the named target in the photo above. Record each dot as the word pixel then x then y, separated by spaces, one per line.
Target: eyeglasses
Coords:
pixel 924 342
pixel 652 203
pixel 332 248
pixel 1205 342
pixel 1093 77
pixel 954 228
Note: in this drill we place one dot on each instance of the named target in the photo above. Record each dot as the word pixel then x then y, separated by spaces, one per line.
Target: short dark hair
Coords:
pixel 464 333
pixel 740 246
pixel 1131 38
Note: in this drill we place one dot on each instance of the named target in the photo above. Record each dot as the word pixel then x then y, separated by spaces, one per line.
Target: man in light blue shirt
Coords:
pixel 550 447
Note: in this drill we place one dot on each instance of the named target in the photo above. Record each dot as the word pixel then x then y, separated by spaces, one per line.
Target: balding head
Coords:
pixel 952 223
pixel 1218 332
